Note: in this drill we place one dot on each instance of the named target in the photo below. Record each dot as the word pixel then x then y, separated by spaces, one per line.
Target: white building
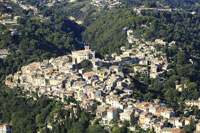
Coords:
pixel 5 128
pixel 111 113
pixel 125 116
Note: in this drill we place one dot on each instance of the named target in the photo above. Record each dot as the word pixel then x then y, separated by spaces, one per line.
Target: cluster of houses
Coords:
pixel 103 3
pixel 192 103
pixel 5 15
pixel 9 21
pixel 60 78
pixel 4 53
pixel 150 61
pixel 25 6
pixel 8 18
pixel 138 10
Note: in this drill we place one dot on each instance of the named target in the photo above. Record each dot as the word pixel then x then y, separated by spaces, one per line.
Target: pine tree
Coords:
pixel 133 120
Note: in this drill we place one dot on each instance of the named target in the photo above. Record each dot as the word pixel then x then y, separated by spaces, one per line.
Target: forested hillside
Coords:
pixel 106 33
pixel 37 41
pixel 109 30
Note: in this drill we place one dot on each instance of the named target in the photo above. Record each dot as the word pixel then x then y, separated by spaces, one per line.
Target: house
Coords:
pixel 154 68
pixel 172 130
pixel 87 76
pixel 193 103
pixel 102 74
pixel 178 130
pixel 68 107
pixel 198 126
pixel 125 116
pixel 158 112
pixel 101 110
pixel 172 43
pixel 168 113
pixel 128 53
pixel 4 53
pixel 54 81
pixel 167 130
pixel 96 63
pixel 148 120
pixel 142 117
pixel 144 106
pixel 79 56
pixel 140 69
pixel 123 48
pixel 111 113
pixel 14 32
pixel 123 58
pixel 88 106
pixel 81 96
pixel 81 71
pixel 157 74
pixel 113 55
pixel 159 41
pixel 177 122
pixel 111 82
pixel 153 109
pixel 187 120
pixel 92 92
pixel 40 82
pixel 180 87
pixel 116 69
pixel 100 98
pixel 142 61
pixel 115 103
pixel 5 128
pixel 158 127
pixel 129 33
pixel 113 100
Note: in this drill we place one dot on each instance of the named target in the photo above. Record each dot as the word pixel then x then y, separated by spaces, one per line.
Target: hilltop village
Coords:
pixel 107 84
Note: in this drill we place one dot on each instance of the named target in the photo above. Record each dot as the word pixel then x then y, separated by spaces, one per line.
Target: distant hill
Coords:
pixel 184 4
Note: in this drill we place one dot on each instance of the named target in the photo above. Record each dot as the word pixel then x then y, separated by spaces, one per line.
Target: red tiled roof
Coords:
pixel 111 109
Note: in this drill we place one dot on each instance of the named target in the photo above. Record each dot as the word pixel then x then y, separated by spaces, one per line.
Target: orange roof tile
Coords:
pixel 111 109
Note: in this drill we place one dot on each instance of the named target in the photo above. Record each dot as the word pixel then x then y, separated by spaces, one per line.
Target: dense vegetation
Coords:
pixel 37 41
pixel 106 34
pixel 28 115
pixel 9 7
pixel 4 9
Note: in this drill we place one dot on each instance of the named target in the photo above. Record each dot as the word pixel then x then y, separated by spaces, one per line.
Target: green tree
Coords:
pixel 133 119
pixel 39 120
pixel 191 127
pixel 95 128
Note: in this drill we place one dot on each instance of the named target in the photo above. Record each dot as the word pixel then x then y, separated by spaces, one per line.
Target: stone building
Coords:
pixel 78 56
